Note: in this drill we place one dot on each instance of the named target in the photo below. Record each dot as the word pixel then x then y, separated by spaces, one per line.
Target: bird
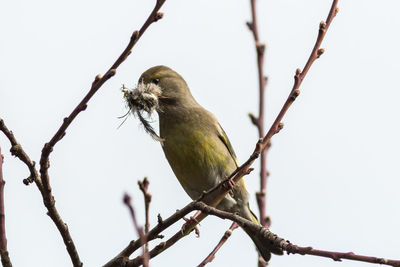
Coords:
pixel 194 143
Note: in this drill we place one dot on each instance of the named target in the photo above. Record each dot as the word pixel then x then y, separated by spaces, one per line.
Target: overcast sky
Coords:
pixel 334 167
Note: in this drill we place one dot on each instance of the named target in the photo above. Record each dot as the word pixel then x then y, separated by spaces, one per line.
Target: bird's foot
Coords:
pixel 229 184
pixel 187 224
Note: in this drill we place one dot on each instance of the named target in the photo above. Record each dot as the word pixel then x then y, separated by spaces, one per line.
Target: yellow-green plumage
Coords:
pixel 196 147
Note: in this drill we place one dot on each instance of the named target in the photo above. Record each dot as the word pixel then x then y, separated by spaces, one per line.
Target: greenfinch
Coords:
pixel 195 145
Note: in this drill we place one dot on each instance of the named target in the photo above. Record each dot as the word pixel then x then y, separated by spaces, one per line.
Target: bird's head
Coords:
pixel 173 89
pixel 159 89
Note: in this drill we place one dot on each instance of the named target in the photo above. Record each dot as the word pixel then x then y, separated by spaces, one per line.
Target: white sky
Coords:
pixel 334 167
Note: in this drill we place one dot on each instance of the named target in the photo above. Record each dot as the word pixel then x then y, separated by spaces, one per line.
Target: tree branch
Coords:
pixel 139 230
pixel 338 256
pixel 300 75
pixel 99 80
pixel 5 258
pixel 122 258
pixel 17 151
pixel 259 121
pixel 144 185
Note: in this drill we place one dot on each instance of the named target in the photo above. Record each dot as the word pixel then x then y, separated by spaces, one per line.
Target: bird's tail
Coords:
pixel 264 248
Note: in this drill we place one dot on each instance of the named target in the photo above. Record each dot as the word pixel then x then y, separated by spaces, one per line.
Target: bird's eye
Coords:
pixel 155 81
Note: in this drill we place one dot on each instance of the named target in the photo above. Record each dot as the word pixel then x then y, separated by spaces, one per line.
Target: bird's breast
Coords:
pixel 196 156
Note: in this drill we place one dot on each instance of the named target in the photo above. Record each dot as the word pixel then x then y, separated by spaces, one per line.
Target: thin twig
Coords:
pixel 17 151
pixel 122 258
pixel 43 182
pixel 300 75
pixel 139 230
pixel 99 80
pixel 127 202
pixel 221 242
pixel 259 121
pixel 339 256
pixel 215 195
pixel 5 258
pixel 144 185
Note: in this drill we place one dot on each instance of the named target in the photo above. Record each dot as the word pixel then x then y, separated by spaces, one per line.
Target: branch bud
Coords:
pixel 28 180
pixel 135 35
pixel 260 48
pixel 159 219
pixel 158 16
pixel 253 119
pixel 97 78
pixel 322 26
pixel 111 73
pixel 249 25
pixel 294 95
pixel 279 128
pixel 320 52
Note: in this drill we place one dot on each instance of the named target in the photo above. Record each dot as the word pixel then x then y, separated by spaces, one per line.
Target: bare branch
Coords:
pixel 48 198
pixel 122 258
pixel 127 202
pixel 17 151
pixel 259 122
pixel 221 242
pixel 144 185
pixel 139 230
pixel 338 256
pixel 262 80
pixel 5 259
pixel 299 76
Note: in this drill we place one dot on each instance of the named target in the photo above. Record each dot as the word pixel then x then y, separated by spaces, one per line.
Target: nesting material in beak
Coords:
pixel 144 98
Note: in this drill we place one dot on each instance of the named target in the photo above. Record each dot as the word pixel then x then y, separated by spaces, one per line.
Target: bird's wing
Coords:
pixel 224 138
